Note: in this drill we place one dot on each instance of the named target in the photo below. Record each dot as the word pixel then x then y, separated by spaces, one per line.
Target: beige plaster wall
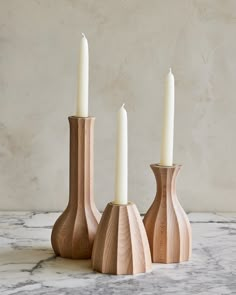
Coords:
pixel 132 45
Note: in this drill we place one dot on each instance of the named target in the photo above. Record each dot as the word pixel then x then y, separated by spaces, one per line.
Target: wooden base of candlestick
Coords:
pixel 121 244
pixel 74 232
pixel 167 226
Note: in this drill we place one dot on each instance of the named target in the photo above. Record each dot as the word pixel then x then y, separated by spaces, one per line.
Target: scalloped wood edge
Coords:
pixel 167 225
pixel 121 244
pixel 74 231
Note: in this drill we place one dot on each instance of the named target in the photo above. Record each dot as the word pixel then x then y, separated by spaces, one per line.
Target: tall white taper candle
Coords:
pixel 168 122
pixel 121 179
pixel 83 79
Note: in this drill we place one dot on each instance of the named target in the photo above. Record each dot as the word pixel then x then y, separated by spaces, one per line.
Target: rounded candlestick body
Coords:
pixel 74 232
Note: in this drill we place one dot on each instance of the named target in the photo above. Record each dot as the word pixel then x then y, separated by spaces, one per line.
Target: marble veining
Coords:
pixel 29 266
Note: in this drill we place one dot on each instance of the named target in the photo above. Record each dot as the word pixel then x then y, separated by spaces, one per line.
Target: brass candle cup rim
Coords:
pixel 164 166
pixel 121 205
pixel 81 118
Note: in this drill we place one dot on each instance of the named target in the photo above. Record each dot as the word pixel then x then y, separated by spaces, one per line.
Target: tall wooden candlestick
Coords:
pixel 167 226
pixel 74 231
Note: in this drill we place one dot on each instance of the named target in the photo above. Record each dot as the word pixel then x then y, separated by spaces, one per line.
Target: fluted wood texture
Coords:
pixel 167 226
pixel 74 232
pixel 121 244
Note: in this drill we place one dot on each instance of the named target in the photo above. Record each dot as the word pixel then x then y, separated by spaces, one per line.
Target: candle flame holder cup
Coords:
pixel 167 225
pixel 121 244
pixel 74 231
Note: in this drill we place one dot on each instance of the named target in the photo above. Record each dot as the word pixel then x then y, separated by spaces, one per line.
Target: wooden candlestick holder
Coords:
pixel 74 231
pixel 167 225
pixel 121 244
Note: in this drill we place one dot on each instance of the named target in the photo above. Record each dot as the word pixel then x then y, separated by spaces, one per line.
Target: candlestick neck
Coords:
pixel 166 179
pixel 81 160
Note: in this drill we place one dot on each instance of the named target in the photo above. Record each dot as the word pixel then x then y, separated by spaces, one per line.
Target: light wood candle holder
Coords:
pixel 74 231
pixel 121 244
pixel 167 225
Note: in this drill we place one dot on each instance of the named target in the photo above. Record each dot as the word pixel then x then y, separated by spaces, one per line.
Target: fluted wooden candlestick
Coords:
pixel 74 231
pixel 167 226
pixel 121 244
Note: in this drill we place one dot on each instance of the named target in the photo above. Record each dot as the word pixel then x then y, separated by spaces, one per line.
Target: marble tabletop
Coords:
pixel 29 266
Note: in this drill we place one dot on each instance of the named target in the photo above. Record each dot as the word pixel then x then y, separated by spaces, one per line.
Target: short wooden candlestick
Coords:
pixel 121 244
pixel 74 231
pixel 167 225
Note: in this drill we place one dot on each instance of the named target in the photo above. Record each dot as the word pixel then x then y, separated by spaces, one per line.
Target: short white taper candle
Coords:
pixel 121 179
pixel 168 122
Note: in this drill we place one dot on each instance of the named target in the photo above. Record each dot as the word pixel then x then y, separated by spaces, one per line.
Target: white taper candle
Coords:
pixel 168 122
pixel 83 79
pixel 121 178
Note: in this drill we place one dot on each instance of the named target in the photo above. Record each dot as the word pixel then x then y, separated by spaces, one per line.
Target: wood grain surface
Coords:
pixel 121 244
pixel 74 232
pixel 167 226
